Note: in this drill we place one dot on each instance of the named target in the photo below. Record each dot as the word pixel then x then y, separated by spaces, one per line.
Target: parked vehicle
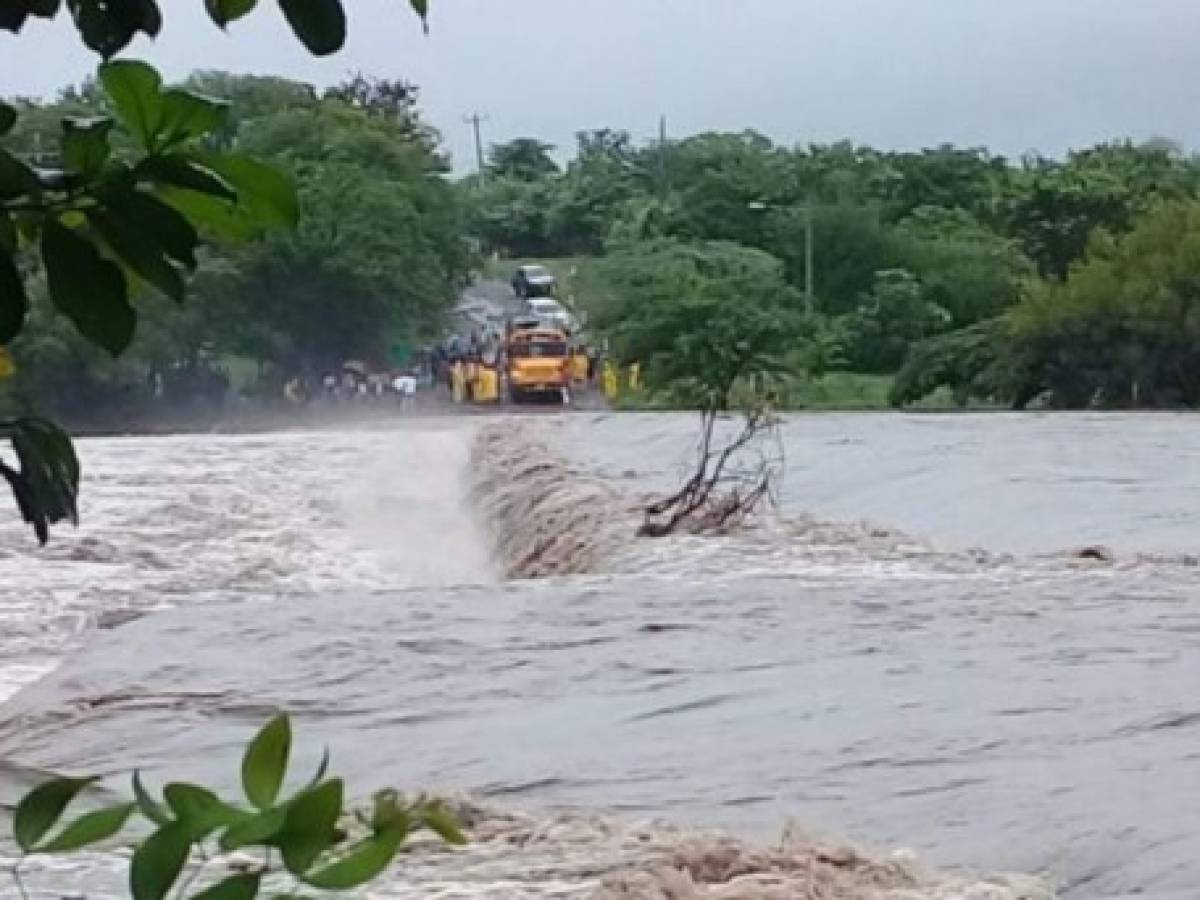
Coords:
pixel 533 281
pixel 538 363
pixel 550 312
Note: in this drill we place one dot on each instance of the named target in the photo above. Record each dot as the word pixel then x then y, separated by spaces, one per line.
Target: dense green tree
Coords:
pixel 895 313
pixel 525 159
pixel 1060 204
pixel 964 267
pixel 1124 328
pixel 978 362
pixel 699 316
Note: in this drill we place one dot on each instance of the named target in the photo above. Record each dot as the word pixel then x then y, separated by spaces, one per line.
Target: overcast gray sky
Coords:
pixel 1013 75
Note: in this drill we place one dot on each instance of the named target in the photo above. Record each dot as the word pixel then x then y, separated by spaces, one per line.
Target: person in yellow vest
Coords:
pixel 635 376
pixel 472 380
pixel 612 386
pixel 458 382
pixel 487 385
pixel 579 365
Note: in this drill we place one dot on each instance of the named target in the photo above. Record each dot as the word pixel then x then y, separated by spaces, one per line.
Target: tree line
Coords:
pixel 368 272
pixel 998 281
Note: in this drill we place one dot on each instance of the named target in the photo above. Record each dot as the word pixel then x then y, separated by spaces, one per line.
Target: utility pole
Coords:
pixel 475 120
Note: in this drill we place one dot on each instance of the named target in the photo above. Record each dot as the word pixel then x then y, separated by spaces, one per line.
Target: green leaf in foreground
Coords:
pixel 149 807
pixel 186 114
pixel 363 862
pixel 200 809
pixel 320 24
pixel 178 170
pixel 235 887
pixel 107 26
pixel 41 808
pixel 8 118
pixel 441 822
pixel 133 87
pixel 265 762
pixel 222 12
pixel 138 250
pixel 89 829
pixel 87 288
pixel 266 193
pixel 16 178
pixel 13 301
pixel 255 830
pixel 158 861
pixel 167 226
pixel 47 485
pixel 85 145
pixel 311 826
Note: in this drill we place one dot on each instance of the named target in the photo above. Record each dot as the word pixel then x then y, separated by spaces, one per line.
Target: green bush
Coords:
pixel 310 839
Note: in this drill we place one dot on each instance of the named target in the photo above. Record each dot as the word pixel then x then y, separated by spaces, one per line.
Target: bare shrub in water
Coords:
pixel 729 483
pixel 320 844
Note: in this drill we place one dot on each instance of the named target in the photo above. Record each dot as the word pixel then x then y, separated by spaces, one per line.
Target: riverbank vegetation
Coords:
pixel 956 276
pixel 374 261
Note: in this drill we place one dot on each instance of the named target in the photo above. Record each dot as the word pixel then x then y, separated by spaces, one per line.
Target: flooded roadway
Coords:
pixel 1008 709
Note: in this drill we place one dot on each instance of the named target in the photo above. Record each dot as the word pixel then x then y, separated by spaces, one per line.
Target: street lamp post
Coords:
pixel 809 293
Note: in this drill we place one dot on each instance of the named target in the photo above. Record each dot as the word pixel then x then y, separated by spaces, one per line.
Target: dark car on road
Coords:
pixel 533 281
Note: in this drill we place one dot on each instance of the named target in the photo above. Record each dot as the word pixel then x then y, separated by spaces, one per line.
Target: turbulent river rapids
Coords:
pixel 903 681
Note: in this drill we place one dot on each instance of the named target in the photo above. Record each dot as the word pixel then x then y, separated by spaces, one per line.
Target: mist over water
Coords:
pixel 999 708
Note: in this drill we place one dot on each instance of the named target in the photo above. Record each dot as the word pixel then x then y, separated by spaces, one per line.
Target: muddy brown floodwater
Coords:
pixel 944 678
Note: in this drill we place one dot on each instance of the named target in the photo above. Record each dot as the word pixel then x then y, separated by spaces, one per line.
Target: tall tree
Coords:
pixel 525 159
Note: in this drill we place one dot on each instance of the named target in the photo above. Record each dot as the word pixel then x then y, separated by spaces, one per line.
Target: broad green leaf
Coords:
pixel 158 861
pixel 225 11
pixel 265 762
pixel 258 829
pixel 8 233
pixel 139 251
pixel 89 829
pixel 363 862
pixel 151 216
pixel 107 26
pixel 134 89
pixel 188 115
pixel 14 303
pixel 179 171
pixel 87 288
pixel 46 9
pixel 40 809
pixel 13 16
pixel 8 118
pixel 220 217
pixel 320 24
pixel 16 178
pixel 235 887
pixel 47 485
pixel 387 811
pixel 441 822
pixel 265 192
pixel 85 147
pixel 50 470
pixel 311 826
pixel 147 805
pixel 200 809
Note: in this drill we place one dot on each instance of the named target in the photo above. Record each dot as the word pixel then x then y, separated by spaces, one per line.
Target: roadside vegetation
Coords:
pixel 941 278
pixel 374 261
